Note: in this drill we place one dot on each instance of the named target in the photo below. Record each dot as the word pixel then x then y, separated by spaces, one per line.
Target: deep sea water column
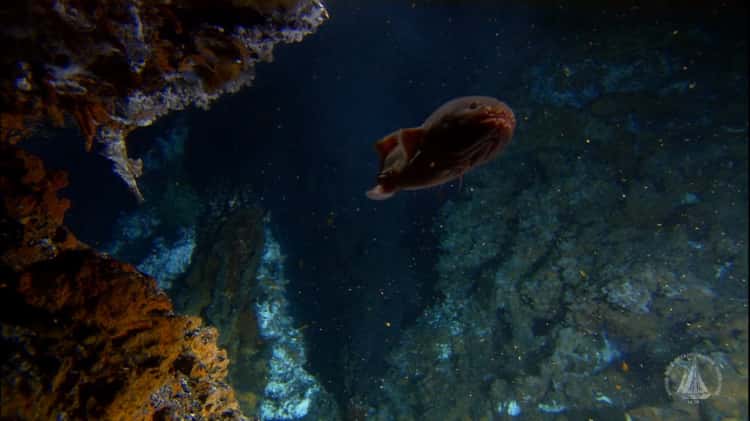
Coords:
pixel 291 391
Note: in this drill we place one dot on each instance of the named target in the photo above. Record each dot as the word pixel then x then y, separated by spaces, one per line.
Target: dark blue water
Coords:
pixel 303 136
pixel 363 272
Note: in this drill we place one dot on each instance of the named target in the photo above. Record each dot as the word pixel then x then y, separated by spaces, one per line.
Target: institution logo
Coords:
pixel 692 377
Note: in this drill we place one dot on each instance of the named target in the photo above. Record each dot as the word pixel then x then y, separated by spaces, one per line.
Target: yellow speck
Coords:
pixel 583 274
pixel 588 140
pixel 387 324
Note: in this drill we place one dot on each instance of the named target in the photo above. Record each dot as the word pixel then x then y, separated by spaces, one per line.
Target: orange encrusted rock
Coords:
pixel 114 65
pixel 85 336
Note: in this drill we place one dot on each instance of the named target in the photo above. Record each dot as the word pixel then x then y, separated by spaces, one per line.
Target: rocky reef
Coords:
pixel 236 281
pixel 213 251
pixel 118 65
pixel 221 285
pixel 85 336
pixel 608 242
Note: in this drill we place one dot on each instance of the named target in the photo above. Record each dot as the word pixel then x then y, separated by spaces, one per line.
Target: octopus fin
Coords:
pixel 411 140
pixel 385 145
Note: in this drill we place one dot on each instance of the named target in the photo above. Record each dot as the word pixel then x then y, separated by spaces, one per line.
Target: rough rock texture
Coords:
pixel 221 286
pixel 609 240
pixel 85 336
pixel 31 227
pixel 116 65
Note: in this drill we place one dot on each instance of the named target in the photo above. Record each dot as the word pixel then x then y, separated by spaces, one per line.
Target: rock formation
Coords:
pixel 116 65
pixel 85 336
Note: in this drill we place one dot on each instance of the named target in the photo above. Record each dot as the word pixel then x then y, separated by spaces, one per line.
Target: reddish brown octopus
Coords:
pixel 462 134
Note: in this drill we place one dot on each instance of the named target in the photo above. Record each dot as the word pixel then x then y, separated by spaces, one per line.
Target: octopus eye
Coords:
pixel 473 105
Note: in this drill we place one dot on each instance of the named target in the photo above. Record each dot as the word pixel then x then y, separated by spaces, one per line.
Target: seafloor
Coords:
pixel 572 278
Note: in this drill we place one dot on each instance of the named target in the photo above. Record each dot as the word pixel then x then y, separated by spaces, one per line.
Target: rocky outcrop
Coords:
pixel 85 336
pixel 221 286
pixel 608 242
pixel 116 65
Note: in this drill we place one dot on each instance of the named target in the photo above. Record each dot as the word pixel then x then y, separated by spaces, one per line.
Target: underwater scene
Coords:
pixel 382 210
